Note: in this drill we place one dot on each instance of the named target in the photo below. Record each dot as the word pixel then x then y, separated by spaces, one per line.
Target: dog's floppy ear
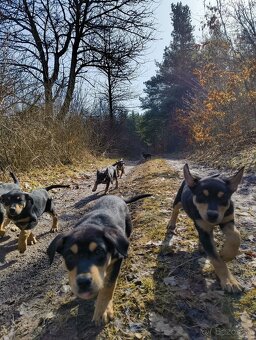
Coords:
pixel 56 245
pixel 118 240
pixel 234 180
pixel 190 180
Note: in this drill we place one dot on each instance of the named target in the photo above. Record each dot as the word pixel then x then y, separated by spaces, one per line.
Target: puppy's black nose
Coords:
pixel 84 281
pixel 12 210
pixel 212 215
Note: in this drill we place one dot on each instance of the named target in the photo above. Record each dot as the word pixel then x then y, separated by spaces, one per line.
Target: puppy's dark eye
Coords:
pixel 99 251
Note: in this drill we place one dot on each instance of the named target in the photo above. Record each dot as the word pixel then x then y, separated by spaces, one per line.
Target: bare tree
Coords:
pixel 118 67
pixel 54 42
pixel 238 22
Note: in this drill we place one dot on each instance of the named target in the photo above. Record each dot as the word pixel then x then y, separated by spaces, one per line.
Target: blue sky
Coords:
pixel 163 37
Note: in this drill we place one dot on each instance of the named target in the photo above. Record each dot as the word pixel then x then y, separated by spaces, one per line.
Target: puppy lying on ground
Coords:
pixel 94 250
pixel 24 209
pixel 119 167
pixel 4 188
pixel 208 203
pixel 106 176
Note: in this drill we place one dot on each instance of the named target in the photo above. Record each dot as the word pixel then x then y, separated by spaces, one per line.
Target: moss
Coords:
pixel 248 301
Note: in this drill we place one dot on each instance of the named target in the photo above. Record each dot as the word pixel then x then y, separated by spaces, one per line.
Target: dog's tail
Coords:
pixel 136 198
pixel 50 187
pixel 15 179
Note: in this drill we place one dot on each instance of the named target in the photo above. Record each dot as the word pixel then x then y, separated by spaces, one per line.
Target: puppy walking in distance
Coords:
pixel 24 210
pixel 119 167
pixel 208 203
pixel 146 156
pixel 94 250
pixel 4 188
pixel 106 176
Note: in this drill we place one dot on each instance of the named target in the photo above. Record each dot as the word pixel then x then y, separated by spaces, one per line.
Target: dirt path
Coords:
pixel 36 302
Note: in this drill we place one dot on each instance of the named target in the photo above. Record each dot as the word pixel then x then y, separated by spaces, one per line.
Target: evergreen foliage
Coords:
pixel 172 86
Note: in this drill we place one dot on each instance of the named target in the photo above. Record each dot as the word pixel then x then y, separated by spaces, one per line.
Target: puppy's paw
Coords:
pixel 102 318
pixel 22 247
pixel 231 285
pixel 54 229
pixel 32 239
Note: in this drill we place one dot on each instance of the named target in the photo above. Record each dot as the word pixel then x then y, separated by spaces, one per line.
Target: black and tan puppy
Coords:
pixel 106 176
pixel 208 203
pixel 119 167
pixel 93 252
pixel 4 188
pixel 24 209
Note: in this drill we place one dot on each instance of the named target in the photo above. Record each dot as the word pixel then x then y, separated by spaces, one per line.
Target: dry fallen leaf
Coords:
pixel 162 326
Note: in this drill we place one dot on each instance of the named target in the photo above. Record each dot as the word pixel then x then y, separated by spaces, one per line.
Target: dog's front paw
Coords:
pixel 103 317
pixel 23 239
pixel 231 285
pixel 31 239
pixel 22 247
pixel 54 229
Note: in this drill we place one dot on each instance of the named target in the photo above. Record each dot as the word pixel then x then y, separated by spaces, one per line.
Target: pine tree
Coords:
pixel 172 86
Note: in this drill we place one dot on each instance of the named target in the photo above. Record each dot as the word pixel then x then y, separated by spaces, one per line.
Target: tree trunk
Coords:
pixel 48 100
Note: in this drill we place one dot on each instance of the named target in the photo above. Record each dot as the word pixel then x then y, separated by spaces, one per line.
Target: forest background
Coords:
pixel 201 99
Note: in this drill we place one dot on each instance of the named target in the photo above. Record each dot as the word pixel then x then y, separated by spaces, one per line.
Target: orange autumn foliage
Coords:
pixel 225 107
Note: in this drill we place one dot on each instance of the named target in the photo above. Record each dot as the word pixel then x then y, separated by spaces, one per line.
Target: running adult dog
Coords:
pixel 24 209
pixel 4 188
pixel 94 250
pixel 207 201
